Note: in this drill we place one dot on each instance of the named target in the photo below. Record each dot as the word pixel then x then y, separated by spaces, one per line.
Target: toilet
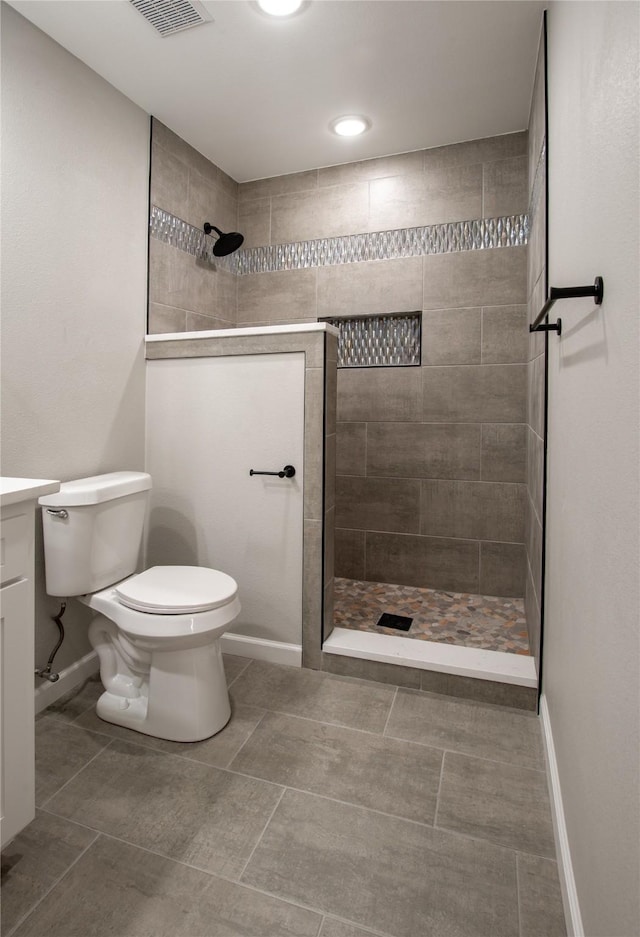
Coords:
pixel 156 632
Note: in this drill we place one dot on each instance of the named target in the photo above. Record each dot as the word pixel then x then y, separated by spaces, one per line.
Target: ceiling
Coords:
pixel 256 94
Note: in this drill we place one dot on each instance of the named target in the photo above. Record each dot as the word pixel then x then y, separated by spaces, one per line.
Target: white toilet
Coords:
pixel 156 632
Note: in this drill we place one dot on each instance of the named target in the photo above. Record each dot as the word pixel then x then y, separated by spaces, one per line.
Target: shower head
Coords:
pixel 226 243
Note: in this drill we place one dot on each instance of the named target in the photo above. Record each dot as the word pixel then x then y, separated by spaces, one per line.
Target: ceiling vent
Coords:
pixel 172 16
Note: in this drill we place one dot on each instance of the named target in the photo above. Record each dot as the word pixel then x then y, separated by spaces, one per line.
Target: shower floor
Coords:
pixel 480 621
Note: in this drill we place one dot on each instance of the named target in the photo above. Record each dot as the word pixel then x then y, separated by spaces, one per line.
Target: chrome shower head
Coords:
pixel 226 243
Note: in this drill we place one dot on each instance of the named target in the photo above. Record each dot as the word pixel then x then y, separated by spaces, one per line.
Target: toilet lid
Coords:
pixel 177 590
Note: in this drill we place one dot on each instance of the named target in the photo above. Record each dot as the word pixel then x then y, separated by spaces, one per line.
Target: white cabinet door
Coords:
pixel 17 777
pixel 209 421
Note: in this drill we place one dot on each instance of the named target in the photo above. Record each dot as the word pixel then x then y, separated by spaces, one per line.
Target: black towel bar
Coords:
pixel 566 292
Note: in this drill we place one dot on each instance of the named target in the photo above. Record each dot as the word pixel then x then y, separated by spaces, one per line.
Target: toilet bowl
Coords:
pixel 156 632
pixel 162 670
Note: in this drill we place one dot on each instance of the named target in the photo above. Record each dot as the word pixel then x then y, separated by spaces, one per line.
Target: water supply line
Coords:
pixel 45 672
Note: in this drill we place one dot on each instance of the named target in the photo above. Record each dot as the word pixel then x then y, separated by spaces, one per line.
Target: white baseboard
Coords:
pixel 276 652
pixel 47 693
pixel 565 867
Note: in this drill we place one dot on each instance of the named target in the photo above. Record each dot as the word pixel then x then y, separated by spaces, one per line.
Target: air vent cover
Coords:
pixel 172 16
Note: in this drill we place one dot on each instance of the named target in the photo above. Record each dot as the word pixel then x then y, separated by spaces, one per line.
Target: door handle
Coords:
pixel 287 472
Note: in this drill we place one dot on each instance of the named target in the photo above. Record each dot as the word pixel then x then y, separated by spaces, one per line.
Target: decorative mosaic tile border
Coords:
pixel 481 234
pixel 163 226
pixel 378 341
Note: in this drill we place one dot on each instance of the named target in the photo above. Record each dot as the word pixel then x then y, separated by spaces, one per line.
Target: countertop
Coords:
pixel 14 490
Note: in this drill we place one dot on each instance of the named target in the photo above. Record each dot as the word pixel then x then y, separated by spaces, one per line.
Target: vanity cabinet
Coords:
pixel 17 534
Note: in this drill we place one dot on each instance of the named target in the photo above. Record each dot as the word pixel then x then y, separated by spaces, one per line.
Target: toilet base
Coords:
pixel 178 694
pixel 133 714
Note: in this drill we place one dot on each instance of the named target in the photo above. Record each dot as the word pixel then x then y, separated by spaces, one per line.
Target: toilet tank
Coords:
pixel 93 531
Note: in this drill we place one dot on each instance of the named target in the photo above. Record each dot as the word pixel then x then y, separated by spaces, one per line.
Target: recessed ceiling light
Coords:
pixel 280 7
pixel 350 126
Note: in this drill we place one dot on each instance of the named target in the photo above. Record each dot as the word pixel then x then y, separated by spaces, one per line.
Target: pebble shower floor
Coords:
pixel 482 621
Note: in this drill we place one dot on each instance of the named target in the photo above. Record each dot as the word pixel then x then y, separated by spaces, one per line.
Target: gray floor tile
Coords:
pixel 315 695
pixel 234 666
pixel 61 751
pixel 397 877
pixel 371 873
pixel 469 727
pixel 541 912
pixel 130 892
pixel 35 860
pixel 183 810
pixel 219 750
pixel 393 776
pixel 77 701
pixel 505 804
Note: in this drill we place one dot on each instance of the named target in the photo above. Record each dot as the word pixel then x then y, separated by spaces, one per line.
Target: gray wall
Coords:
pixel 74 242
pixel 186 294
pixel 591 675
pixel 536 293
pixel 431 460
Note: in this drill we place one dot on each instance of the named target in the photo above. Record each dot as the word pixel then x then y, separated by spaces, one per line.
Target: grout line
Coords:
pixel 84 826
pixel 491 842
pixel 440 537
pixel 389 714
pixel 251 734
pixel 494 761
pixel 360 927
pixel 435 815
pixel 264 830
pixel 336 800
pixel 99 731
pixel 51 888
pixel 249 661
pixel 80 770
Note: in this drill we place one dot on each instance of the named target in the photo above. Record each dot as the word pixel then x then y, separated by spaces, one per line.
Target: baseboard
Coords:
pixel 565 867
pixel 276 652
pixel 47 693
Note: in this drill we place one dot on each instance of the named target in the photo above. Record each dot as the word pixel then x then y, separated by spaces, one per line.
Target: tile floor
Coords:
pixel 485 621
pixel 328 807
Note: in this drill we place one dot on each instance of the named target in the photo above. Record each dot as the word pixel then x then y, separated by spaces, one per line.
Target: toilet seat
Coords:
pixel 177 590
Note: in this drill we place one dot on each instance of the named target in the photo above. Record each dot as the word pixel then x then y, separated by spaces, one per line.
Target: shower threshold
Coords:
pixel 492 629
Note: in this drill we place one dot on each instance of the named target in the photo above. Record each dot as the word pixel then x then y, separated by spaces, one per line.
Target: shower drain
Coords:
pixel 394 621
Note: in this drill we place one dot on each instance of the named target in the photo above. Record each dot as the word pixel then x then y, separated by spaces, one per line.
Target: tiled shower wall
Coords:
pixel 536 293
pixel 431 460
pixel 187 293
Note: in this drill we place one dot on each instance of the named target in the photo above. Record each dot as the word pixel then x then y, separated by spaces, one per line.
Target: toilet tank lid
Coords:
pixel 97 488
